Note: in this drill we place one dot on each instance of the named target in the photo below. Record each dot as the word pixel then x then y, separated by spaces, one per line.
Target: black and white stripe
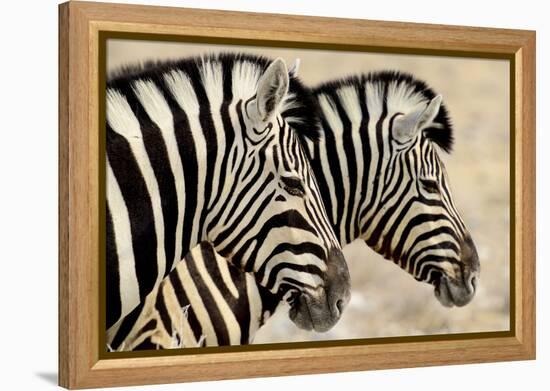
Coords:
pixel 208 149
pixel 204 301
pixel 386 188
pixel 382 180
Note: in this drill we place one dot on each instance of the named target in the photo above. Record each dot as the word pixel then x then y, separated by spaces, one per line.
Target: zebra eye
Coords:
pixel 430 185
pixel 293 186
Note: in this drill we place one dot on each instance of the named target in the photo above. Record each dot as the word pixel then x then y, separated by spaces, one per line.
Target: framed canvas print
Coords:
pixel 258 195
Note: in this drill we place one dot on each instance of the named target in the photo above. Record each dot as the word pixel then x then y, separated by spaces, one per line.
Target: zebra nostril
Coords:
pixel 473 283
pixel 340 306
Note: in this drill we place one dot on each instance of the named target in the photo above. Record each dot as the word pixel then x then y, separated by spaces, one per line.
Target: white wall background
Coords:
pixel 28 194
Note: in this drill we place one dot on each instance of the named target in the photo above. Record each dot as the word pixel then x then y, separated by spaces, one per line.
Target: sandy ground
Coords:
pixel 387 301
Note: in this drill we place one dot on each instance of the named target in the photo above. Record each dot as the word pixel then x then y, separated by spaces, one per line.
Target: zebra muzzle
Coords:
pixel 321 310
pixel 456 293
pixel 460 291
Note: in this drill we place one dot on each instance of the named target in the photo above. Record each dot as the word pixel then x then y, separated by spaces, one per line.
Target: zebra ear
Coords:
pixel 410 124
pixel 272 89
pixel 293 70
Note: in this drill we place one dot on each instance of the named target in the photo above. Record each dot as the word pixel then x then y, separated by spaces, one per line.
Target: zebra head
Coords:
pixel 272 221
pixel 415 221
pixel 383 181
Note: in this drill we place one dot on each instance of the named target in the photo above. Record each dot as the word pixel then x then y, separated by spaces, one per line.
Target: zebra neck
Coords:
pixel 350 176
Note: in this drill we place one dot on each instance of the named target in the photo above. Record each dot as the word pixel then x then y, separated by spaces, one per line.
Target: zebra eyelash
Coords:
pixel 293 186
pixel 430 185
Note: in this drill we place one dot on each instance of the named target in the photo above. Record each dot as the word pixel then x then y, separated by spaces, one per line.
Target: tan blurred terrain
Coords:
pixel 387 301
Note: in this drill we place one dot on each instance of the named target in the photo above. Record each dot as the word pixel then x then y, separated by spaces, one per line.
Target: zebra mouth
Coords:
pixel 452 293
pixel 443 293
pixel 312 313
pixel 299 312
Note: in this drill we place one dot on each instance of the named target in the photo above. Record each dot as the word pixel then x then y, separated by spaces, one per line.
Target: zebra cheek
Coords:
pixel 280 198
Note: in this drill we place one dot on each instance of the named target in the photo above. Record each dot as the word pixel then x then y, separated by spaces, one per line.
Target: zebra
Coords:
pixel 204 301
pixel 209 149
pixel 382 181
pixel 404 120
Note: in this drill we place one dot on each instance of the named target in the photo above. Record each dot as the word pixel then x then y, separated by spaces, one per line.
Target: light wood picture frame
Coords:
pixel 83 30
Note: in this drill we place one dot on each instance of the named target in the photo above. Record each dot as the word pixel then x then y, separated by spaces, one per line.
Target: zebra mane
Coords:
pixel 414 89
pixel 299 109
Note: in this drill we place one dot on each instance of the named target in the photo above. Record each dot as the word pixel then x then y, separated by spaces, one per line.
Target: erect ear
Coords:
pixel 293 70
pixel 409 125
pixel 272 88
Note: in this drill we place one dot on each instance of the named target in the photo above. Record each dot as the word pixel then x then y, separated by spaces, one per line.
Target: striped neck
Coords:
pixel 363 169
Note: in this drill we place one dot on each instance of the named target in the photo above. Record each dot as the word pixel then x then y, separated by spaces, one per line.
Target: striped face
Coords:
pixel 201 151
pixel 414 221
pixel 274 223
pixel 382 179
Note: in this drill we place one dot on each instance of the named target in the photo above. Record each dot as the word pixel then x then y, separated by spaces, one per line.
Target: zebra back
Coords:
pixel 204 301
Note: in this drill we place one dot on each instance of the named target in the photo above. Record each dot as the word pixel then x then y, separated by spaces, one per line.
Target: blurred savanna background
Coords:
pixel 387 301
